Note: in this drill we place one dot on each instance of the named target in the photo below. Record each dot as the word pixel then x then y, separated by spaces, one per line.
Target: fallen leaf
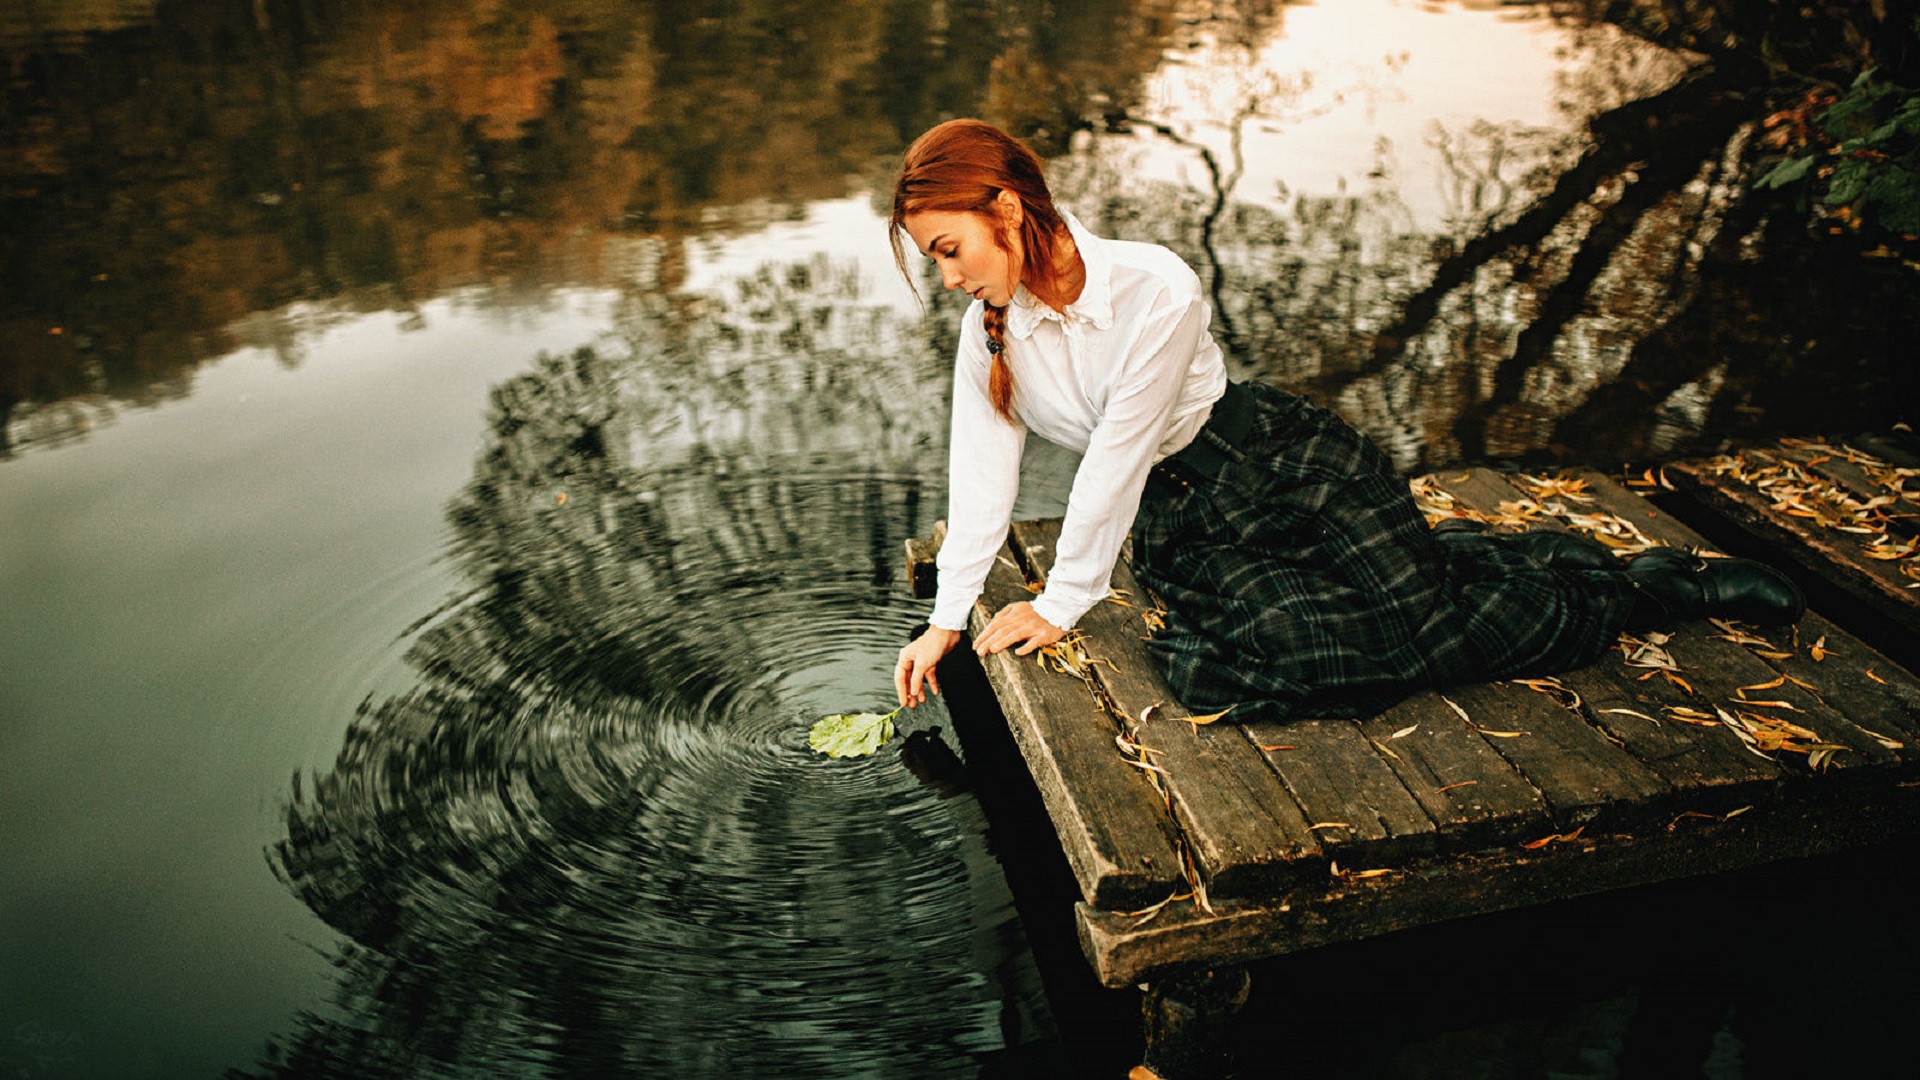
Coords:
pixel 1276 746
pixel 1891 744
pixel 1450 787
pixel 851 734
pixel 1405 731
pixel 1553 688
pixel 1563 838
pixel 1208 718
pixel 1150 911
pixel 1451 704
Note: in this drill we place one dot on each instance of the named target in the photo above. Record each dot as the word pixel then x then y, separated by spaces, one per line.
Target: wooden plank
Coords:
pixel 923 577
pixel 1834 556
pixel 1125 951
pixel 1474 797
pixel 1879 695
pixel 1866 480
pixel 1489 496
pixel 1635 512
pixel 1718 667
pixel 1731 678
pixel 1243 829
pixel 1586 779
pixel 1890 448
pixel 1361 812
pixel 1887 701
pixel 1111 822
pixel 1706 769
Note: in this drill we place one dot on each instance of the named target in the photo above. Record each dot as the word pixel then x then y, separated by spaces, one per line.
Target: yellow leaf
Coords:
pixel 1331 825
pixel 1405 731
pixel 1891 744
pixel 1563 838
pixel 1501 734
pixel 1208 718
pixel 1456 708
pixel 1630 712
pixel 1150 911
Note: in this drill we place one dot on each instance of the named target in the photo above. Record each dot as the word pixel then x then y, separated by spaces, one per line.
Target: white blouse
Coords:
pixel 1126 375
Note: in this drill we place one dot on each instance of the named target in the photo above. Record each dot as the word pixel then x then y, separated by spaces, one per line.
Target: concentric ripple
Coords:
pixel 594 833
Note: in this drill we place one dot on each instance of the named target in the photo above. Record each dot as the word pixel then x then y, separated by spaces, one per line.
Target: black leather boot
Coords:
pixel 1564 550
pixel 1673 586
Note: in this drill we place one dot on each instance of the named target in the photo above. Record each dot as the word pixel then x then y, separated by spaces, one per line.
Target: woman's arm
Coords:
pixel 983 476
pixel 1107 486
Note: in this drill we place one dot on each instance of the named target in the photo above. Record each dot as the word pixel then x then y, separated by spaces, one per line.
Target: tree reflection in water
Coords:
pixel 592 837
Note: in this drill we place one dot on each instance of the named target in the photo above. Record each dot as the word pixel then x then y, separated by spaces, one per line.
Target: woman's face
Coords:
pixel 964 246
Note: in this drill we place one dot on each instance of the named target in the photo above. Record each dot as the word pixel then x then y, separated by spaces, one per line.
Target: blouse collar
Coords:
pixel 1095 302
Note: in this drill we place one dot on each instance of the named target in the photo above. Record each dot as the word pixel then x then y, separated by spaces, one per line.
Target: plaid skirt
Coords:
pixel 1301 580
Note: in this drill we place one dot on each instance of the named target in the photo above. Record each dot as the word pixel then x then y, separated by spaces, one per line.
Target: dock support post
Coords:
pixel 1186 1014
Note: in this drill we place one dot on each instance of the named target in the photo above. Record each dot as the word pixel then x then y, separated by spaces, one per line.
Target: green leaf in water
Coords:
pixel 852 734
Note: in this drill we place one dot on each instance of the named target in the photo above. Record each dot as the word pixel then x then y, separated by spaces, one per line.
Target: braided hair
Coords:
pixel 963 165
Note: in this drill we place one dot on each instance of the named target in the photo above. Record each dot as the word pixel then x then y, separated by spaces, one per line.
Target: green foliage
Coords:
pixel 1866 157
pixel 852 734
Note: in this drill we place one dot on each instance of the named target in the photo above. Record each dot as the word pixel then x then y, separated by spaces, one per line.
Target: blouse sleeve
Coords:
pixel 983 476
pixel 1106 489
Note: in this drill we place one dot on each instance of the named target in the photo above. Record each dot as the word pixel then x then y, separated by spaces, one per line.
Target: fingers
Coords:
pixel 1017 625
pixel 913 678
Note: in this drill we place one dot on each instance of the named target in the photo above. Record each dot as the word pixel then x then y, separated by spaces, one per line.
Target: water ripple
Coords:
pixel 596 816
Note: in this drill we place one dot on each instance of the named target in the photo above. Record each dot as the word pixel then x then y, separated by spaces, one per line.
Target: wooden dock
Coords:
pixel 1212 845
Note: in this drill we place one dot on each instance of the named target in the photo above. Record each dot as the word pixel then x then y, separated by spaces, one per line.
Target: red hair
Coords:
pixel 963 165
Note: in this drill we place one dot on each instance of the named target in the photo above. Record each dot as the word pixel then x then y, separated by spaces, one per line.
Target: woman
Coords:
pixel 1299 577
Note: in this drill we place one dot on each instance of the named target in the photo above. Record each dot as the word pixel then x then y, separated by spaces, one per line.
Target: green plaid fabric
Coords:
pixel 1303 581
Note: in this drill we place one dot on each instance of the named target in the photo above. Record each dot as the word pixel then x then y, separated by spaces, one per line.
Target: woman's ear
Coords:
pixel 1008 206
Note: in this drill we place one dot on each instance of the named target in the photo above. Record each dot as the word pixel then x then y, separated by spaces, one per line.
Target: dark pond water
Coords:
pixel 452 451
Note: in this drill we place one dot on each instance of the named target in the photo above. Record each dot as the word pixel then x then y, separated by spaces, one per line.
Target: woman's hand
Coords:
pixel 916 664
pixel 1017 625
